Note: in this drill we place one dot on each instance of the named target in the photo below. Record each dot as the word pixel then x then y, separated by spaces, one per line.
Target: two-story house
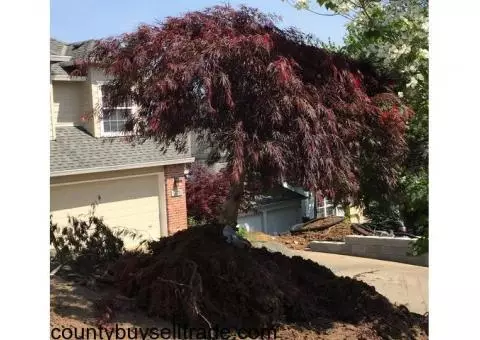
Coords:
pixel 140 187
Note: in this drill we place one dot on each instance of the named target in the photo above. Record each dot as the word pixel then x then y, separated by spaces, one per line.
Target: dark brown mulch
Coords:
pixel 319 224
pixel 359 229
pixel 197 278
pixel 301 241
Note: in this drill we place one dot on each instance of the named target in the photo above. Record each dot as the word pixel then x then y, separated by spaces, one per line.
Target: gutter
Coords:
pixel 277 204
pixel 54 57
pixel 68 78
pixel 122 167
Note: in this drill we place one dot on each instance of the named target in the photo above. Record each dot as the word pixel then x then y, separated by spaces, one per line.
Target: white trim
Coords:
pixel 115 133
pixel 162 201
pixel 100 99
pixel 64 124
pixel 102 82
pixel 53 134
pixel 337 211
pixel 54 57
pixel 101 179
pixel 67 78
pixel 112 134
pixel 279 205
pixel 260 209
pixel 122 167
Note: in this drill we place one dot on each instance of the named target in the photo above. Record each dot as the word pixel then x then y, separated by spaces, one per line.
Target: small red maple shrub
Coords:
pixel 206 193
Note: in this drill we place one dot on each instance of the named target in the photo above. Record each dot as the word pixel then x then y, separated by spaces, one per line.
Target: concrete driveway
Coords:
pixel 400 283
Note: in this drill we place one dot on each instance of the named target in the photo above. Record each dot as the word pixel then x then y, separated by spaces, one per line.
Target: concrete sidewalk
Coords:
pixel 400 283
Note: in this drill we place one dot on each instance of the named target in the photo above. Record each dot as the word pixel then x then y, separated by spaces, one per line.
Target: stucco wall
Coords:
pixel 68 101
pixel 78 102
pixel 356 215
pixel 88 111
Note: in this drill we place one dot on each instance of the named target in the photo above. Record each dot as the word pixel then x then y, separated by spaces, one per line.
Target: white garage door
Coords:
pixel 255 222
pixel 281 220
pixel 131 202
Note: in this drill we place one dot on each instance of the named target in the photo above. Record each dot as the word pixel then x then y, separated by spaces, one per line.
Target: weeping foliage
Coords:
pixel 280 108
pixel 208 190
pixel 206 193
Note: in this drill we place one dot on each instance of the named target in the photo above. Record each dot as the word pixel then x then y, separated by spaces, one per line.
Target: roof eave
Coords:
pixel 67 78
pixel 122 167
pixel 54 57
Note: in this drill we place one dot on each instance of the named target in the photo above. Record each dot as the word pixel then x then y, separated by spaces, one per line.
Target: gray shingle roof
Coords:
pixel 57 70
pixel 74 150
pixel 278 194
pixel 80 49
pixel 57 47
pixel 77 50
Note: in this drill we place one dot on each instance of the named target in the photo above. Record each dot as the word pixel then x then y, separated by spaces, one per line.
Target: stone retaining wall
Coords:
pixel 381 248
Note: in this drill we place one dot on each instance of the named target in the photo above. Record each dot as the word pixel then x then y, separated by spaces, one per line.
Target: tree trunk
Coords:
pixel 346 210
pixel 229 213
pixel 315 204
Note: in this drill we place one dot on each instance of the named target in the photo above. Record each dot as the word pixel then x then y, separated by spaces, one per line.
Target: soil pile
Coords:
pixel 321 223
pixel 197 278
pixel 301 240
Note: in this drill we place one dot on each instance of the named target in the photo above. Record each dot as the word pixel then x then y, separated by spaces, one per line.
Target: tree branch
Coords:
pixel 322 14
pixel 363 8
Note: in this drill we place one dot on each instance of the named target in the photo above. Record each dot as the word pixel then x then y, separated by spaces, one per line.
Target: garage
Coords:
pixel 275 211
pixel 132 202
pixel 274 219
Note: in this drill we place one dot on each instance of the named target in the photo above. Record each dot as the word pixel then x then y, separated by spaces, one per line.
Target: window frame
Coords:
pixel 104 133
pixel 327 204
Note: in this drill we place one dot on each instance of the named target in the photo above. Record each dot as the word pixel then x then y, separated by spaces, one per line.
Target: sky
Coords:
pixel 77 20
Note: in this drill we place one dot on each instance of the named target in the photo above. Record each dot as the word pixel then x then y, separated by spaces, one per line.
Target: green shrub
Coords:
pixel 420 246
pixel 193 221
pixel 86 242
pixel 242 231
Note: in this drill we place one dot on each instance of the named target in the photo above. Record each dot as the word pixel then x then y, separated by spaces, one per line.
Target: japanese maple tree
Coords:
pixel 207 192
pixel 280 108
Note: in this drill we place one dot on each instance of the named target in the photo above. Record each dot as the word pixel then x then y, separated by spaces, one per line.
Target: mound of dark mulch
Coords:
pixel 300 241
pixel 318 224
pixel 197 278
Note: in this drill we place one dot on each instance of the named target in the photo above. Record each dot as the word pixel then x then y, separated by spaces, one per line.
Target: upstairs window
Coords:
pixel 326 208
pixel 114 118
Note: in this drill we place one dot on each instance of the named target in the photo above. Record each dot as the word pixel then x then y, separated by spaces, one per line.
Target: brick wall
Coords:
pixel 176 206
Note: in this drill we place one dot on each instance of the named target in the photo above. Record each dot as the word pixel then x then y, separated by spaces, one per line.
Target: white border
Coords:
pixel 454 171
pixel 25 171
pixel 454 146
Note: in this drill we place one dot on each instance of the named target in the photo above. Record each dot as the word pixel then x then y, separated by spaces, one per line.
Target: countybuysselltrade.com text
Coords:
pixel 174 332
